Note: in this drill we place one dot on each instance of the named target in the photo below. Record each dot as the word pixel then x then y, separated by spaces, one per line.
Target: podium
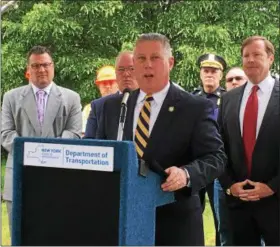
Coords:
pixel 82 192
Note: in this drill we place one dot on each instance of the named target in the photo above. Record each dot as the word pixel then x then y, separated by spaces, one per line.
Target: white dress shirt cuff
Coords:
pixel 188 177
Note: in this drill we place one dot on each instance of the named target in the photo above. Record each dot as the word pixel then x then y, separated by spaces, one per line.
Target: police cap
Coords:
pixel 212 60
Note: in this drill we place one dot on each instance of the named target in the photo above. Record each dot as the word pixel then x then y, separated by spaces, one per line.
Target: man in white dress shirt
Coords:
pixel 163 120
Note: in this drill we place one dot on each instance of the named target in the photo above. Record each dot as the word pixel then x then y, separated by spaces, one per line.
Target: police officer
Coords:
pixel 211 73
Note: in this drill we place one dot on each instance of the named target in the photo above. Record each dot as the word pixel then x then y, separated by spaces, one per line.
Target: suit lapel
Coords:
pixel 236 113
pixel 53 105
pixel 271 107
pixel 232 109
pixel 236 130
pixel 128 129
pixel 28 103
pixel 163 120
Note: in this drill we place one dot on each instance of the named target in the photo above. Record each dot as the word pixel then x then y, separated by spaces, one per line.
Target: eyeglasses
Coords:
pixel 38 65
pixel 237 78
pixel 123 69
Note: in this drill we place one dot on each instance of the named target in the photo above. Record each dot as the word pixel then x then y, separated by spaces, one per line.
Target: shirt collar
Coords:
pixel 264 86
pixel 46 89
pixel 158 96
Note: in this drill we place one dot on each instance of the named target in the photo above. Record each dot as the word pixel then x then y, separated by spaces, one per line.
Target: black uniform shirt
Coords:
pixel 214 96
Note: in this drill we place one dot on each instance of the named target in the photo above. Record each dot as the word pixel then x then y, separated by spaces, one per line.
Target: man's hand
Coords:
pixel 238 191
pixel 260 190
pixel 176 179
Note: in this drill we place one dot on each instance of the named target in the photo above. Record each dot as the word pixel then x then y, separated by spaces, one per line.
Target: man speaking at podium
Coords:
pixel 174 129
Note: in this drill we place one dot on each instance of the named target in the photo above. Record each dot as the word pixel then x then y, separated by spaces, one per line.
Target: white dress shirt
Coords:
pixel 264 93
pixel 155 107
pixel 46 89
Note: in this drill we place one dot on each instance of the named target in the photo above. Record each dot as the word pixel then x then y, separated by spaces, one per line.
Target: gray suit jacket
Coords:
pixel 63 118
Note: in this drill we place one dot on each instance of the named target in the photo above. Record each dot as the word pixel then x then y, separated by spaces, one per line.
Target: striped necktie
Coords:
pixel 142 129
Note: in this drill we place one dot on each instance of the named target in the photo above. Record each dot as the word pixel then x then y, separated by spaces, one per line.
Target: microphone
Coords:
pixel 126 94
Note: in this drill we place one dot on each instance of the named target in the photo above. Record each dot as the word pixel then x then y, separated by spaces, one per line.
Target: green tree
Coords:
pixel 84 35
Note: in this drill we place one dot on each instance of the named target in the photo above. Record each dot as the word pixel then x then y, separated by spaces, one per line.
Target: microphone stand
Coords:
pixel 122 122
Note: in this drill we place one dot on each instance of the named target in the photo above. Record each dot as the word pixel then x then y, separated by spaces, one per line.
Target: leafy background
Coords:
pixel 84 35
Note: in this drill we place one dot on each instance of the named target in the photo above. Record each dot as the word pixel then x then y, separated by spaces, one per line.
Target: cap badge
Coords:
pixel 171 108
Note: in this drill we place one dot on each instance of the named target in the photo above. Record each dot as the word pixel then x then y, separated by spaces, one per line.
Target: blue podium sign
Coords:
pixel 82 192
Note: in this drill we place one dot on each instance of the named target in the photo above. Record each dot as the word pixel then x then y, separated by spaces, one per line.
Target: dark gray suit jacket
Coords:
pixel 95 115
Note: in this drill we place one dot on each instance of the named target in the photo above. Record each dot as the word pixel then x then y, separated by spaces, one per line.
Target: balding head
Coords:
pixel 125 71
pixel 235 78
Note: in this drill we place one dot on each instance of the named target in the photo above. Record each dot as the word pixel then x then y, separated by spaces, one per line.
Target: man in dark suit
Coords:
pixel 125 79
pixel 163 121
pixel 235 77
pixel 249 122
pixel 211 73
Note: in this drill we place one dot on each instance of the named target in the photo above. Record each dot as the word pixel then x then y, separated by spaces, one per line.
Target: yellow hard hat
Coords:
pixel 106 73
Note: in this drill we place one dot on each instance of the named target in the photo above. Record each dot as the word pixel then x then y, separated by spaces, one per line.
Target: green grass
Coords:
pixel 6 240
pixel 3 162
pixel 208 223
pixel 2 177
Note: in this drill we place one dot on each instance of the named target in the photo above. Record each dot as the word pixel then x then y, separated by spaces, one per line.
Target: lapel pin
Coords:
pixel 171 109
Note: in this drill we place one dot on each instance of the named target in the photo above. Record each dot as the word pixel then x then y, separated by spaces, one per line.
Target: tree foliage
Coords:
pixel 84 35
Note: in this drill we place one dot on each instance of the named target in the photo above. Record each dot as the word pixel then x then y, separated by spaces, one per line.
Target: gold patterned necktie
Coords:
pixel 142 129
